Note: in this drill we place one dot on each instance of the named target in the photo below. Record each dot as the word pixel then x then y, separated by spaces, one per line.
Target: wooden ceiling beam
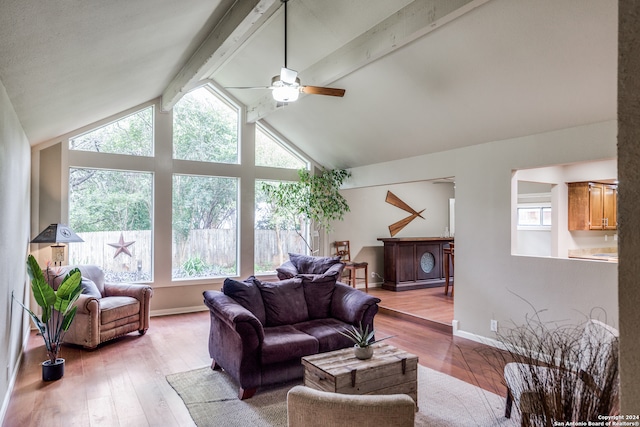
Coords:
pixel 242 20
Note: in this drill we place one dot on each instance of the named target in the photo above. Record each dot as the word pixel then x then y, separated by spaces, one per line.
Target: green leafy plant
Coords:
pixel 315 197
pixel 58 310
pixel 361 337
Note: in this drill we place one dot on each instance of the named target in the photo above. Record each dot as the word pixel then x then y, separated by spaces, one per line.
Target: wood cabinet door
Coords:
pixel 609 210
pixel 405 262
pixel 596 200
pixel 578 205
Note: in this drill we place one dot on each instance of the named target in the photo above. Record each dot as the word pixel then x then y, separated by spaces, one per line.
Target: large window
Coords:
pixel 205 230
pixel 132 135
pixel 111 211
pixel 205 128
pixel 157 196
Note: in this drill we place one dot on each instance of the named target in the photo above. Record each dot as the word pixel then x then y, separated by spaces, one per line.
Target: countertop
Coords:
pixel 597 254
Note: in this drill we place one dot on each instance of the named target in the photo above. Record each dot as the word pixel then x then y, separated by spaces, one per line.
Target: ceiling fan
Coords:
pixel 286 87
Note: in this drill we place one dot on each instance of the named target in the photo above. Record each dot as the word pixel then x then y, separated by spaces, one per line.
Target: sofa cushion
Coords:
pixel 284 302
pixel 282 343
pixel 326 332
pixel 306 264
pixel 247 294
pixel 318 290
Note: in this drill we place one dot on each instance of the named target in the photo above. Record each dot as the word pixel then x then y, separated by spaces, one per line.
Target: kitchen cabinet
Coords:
pixel 413 262
pixel 592 206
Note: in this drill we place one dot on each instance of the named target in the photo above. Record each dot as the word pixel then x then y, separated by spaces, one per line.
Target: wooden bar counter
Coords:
pixel 413 262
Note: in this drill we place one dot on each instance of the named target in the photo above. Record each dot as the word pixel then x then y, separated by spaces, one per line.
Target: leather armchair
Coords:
pixel 105 310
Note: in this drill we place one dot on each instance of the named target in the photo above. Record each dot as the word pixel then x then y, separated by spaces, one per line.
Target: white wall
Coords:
pixel 14 228
pixel 488 277
pixel 370 217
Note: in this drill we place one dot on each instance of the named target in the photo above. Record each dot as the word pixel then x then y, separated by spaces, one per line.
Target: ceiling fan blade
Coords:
pixel 288 76
pixel 317 90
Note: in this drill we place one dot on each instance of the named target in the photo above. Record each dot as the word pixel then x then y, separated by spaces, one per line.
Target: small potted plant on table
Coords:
pixel 58 311
pixel 362 340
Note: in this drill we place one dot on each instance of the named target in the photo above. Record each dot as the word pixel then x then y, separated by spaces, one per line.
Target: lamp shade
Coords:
pixel 57 233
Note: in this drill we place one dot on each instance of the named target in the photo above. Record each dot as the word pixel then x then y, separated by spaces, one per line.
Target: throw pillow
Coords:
pixel 306 264
pixel 284 302
pixel 246 294
pixel 286 271
pixel 90 288
pixel 318 290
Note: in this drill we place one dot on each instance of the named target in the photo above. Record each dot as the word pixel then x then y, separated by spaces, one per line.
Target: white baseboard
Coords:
pixel 491 342
pixel 180 310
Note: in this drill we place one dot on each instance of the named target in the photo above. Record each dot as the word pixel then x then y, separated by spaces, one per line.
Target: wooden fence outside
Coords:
pixel 215 247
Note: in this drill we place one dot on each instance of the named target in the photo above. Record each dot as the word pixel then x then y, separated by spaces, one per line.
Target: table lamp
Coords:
pixel 57 233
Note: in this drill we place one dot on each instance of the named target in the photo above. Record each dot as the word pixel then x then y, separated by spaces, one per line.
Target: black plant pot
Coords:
pixel 52 371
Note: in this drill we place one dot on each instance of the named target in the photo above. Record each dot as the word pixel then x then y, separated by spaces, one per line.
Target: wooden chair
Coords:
pixel 448 253
pixel 344 252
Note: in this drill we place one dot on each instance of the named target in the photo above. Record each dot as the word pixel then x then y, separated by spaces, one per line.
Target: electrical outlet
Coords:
pixel 494 325
pixel 373 275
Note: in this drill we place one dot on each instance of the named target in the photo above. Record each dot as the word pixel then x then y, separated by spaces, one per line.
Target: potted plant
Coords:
pixel 314 197
pixel 58 311
pixel 362 340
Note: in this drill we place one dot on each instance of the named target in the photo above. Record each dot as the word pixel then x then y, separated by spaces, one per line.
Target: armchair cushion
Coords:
pixel 306 264
pixel 89 288
pixel 284 302
pixel 247 294
pixel 113 309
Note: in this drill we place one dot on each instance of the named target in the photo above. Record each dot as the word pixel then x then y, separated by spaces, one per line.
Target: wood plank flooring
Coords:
pixel 428 303
pixel 122 383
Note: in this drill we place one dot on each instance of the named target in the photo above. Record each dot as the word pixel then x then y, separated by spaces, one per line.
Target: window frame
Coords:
pixel 163 166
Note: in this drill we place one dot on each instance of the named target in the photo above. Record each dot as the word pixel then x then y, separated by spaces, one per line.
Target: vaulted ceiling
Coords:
pixel 421 76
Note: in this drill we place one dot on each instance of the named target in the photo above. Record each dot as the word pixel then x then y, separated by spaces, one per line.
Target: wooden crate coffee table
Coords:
pixel 389 371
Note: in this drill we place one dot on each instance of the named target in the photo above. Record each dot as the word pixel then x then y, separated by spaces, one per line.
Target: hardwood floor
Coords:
pixel 122 383
pixel 428 303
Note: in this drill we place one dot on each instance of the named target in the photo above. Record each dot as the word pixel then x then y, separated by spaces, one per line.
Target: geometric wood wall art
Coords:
pixel 394 200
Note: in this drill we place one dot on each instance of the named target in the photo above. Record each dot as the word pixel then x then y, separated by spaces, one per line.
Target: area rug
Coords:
pixel 443 401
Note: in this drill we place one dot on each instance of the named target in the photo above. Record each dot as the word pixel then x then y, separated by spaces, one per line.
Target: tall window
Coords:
pixel 111 211
pixel 205 128
pixel 131 135
pixel 275 235
pixel 205 226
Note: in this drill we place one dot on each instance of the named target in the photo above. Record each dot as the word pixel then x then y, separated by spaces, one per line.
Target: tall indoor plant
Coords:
pixel 314 197
pixel 58 311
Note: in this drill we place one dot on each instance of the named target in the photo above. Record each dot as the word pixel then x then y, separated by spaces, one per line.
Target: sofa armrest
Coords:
pixel 234 315
pixel 353 306
pixel 142 293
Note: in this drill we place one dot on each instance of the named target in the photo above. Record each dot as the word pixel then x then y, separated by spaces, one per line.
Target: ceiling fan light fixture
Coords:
pixel 283 92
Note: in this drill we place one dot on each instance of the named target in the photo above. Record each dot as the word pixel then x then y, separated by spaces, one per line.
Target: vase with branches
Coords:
pixel 558 371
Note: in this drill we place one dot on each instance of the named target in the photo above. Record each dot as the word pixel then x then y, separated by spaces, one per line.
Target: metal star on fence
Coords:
pixel 121 246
